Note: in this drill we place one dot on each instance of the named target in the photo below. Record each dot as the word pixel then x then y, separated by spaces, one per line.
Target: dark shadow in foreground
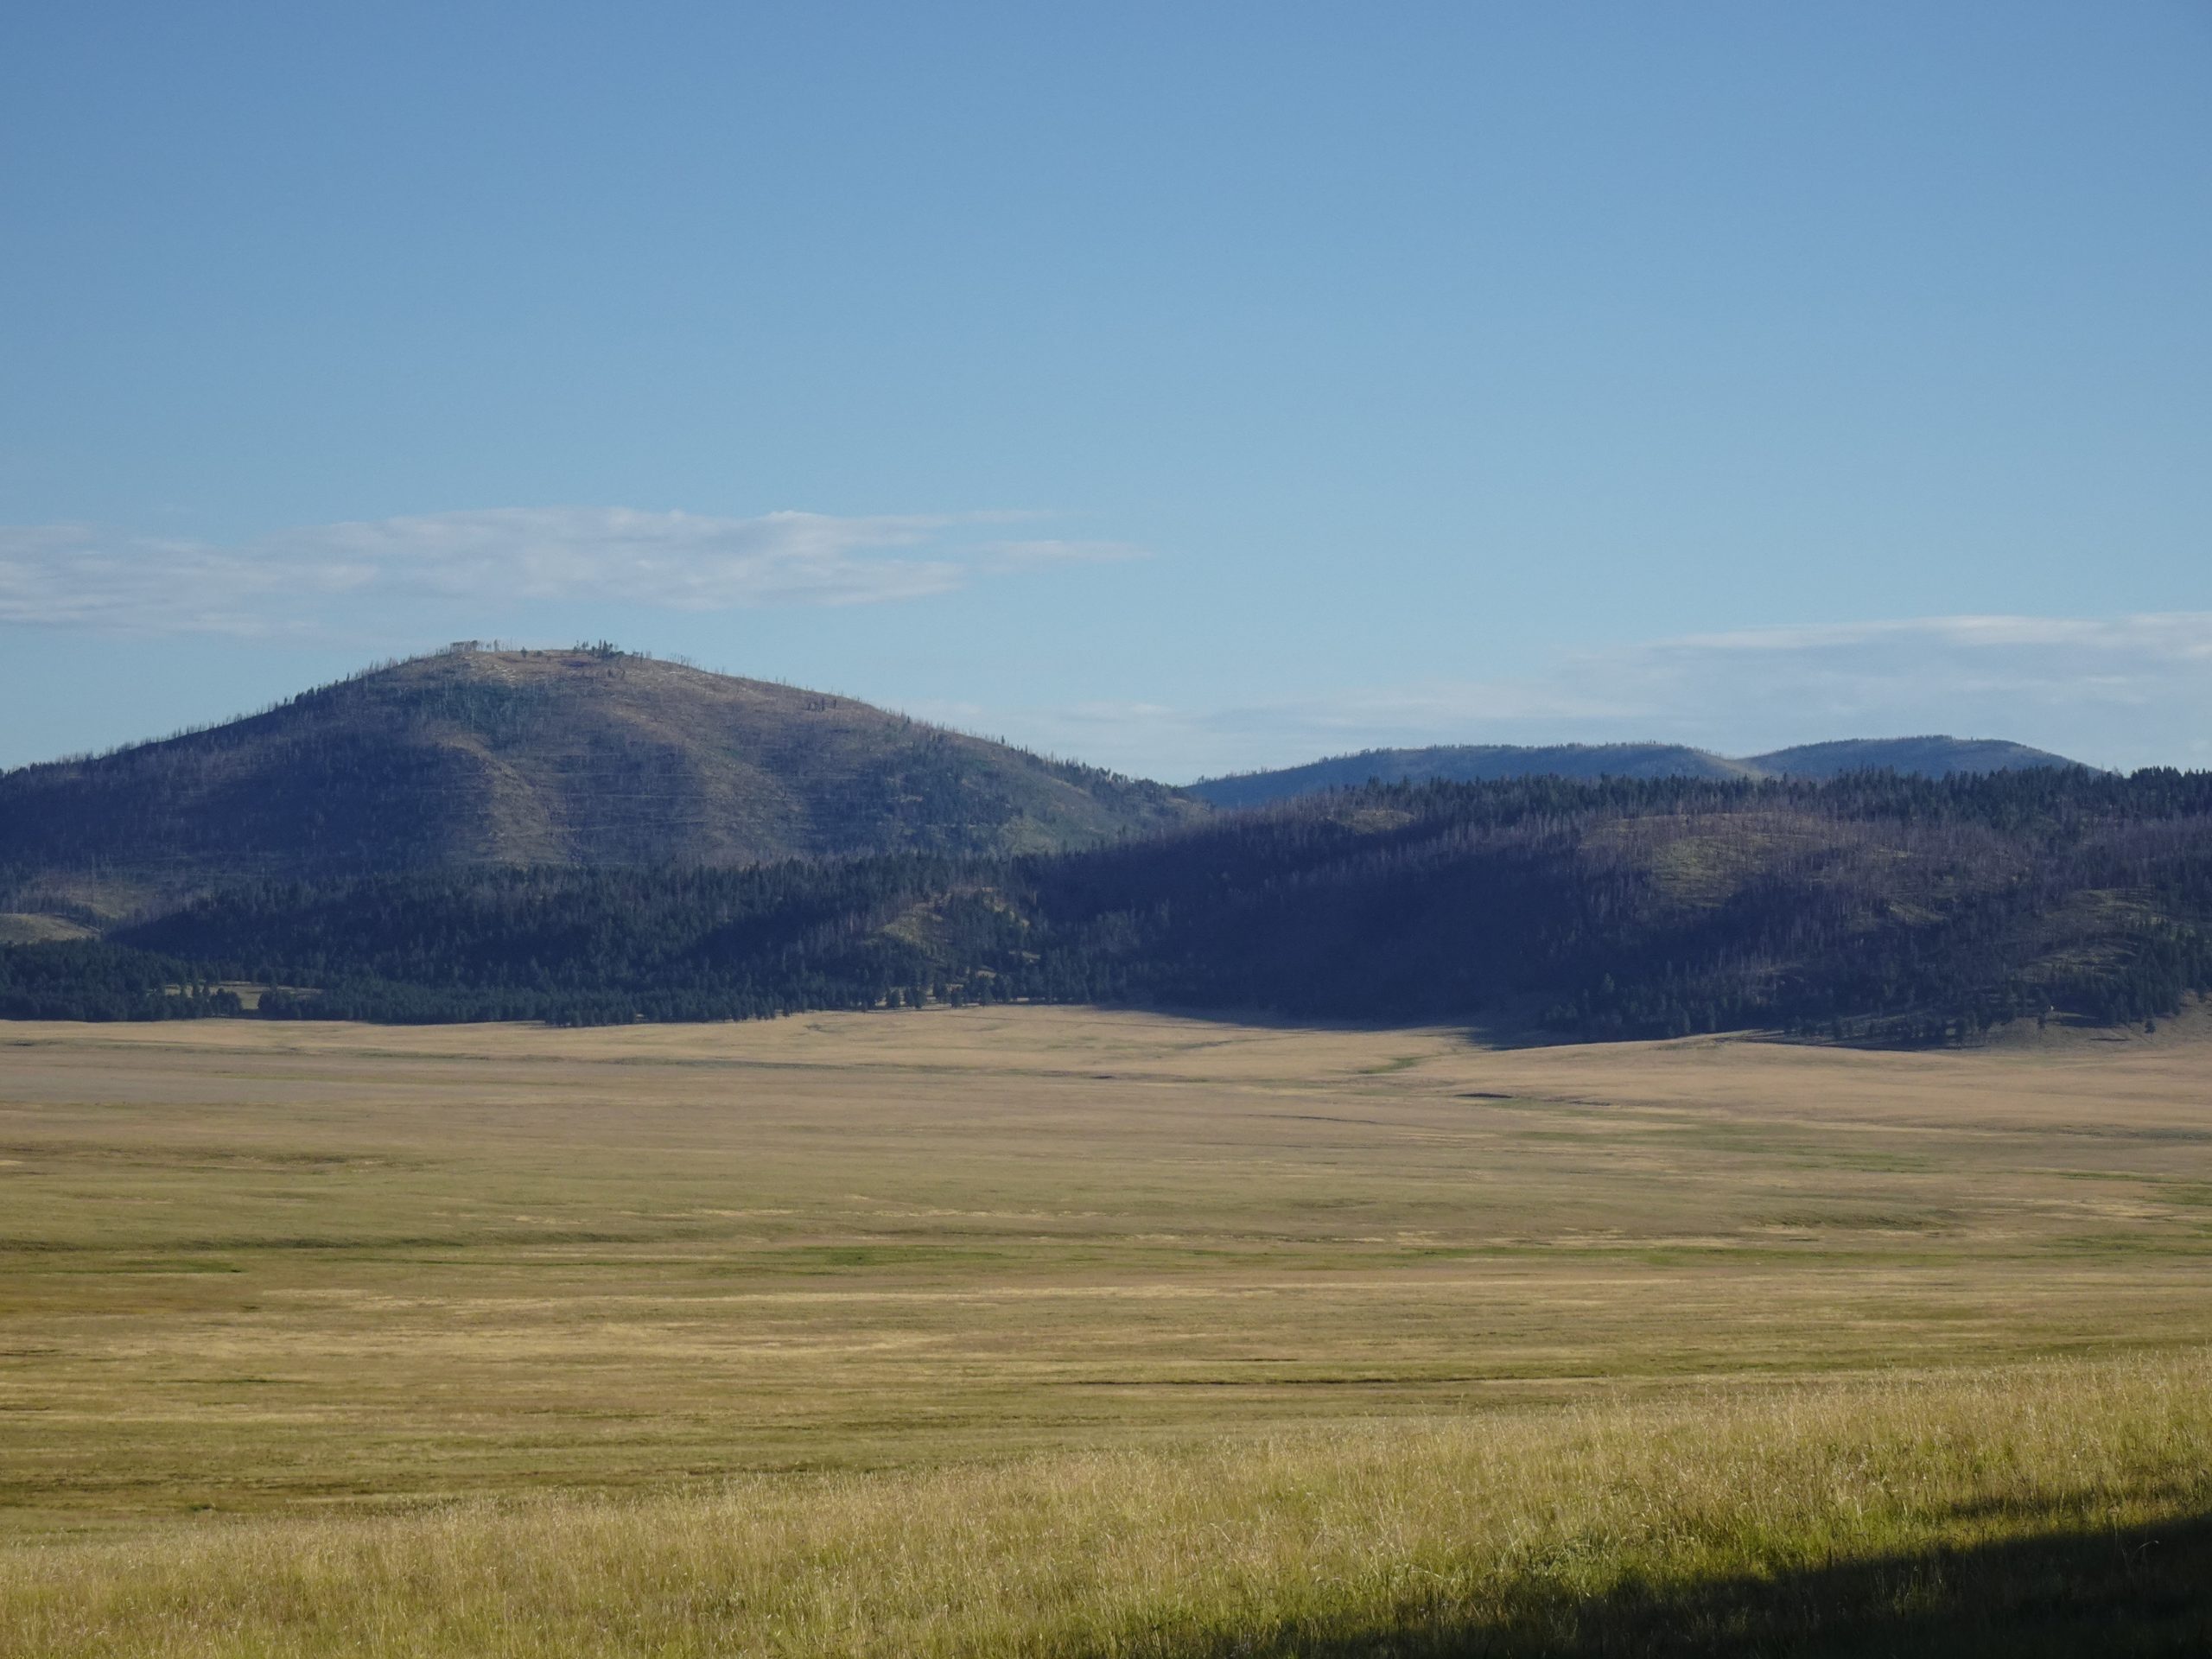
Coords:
pixel 2147 1591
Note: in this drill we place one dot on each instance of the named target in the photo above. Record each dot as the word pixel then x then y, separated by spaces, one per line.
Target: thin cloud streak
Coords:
pixel 78 576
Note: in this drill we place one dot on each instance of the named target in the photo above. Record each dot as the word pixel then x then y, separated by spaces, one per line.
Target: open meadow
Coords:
pixel 1037 1329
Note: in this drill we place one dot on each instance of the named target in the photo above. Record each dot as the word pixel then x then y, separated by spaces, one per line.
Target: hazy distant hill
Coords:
pixel 1922 757
pixel 1469 762
pixel 561 758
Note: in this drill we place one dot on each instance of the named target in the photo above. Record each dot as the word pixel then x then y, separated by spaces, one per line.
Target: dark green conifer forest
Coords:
pixel 1873 907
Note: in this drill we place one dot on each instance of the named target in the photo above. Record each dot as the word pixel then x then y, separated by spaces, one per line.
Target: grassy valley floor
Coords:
pixel 1042 1331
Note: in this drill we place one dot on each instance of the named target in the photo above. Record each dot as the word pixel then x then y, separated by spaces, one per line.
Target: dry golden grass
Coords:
pixel 1866 1516
pixel 268 1291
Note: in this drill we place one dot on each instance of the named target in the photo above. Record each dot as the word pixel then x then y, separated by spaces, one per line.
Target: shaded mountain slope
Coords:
pixel 1922 757
pixel 541 758
pixel 1874 907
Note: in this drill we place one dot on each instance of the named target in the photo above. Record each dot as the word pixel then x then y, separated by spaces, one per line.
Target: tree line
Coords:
pixel 1872 907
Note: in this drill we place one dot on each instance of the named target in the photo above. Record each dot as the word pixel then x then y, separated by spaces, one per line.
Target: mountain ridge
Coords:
pixel 1870 907
pixel 1930 756
pixel 586 756
pixel 591 756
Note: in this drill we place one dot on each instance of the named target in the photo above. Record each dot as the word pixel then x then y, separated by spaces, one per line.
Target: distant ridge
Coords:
pixel 1469 763
pixel 1921 757
pixel 580 757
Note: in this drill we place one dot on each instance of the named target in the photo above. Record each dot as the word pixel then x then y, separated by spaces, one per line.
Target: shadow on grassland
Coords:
pixel 2144 1592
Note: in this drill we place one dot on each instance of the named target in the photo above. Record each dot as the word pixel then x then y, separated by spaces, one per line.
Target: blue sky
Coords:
pixel 1185 388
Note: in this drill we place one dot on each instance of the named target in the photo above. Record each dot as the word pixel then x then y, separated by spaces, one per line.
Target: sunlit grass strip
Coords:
pixel 1509 1523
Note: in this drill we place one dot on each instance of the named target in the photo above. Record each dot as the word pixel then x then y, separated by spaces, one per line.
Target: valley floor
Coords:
pixel 274 1299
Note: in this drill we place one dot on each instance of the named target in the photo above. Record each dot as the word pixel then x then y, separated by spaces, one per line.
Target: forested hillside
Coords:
pixel 1870 907
pixel 1920 757
pixel 584 757
pixel 1468 763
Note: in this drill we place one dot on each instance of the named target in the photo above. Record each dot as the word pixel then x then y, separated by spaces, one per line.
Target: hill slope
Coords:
pixel 1873 906
pixel 1469 762
pixel 542 758
pixel 1919 756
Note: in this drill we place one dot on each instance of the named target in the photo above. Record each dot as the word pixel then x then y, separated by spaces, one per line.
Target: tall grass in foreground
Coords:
pixel 1889 1514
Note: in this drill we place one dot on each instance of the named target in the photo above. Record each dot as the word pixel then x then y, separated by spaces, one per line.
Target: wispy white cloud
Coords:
pixel 67 576
pixel 2187 633
pixel 2087 677
pixel 2126 691
pixel 81 575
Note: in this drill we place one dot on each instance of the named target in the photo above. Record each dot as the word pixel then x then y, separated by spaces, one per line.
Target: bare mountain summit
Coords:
pixel 561 757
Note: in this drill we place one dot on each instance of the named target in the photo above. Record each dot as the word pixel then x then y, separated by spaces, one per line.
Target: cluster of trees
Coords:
pixel 1873 907
pixel 83 980
pixel 595 945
